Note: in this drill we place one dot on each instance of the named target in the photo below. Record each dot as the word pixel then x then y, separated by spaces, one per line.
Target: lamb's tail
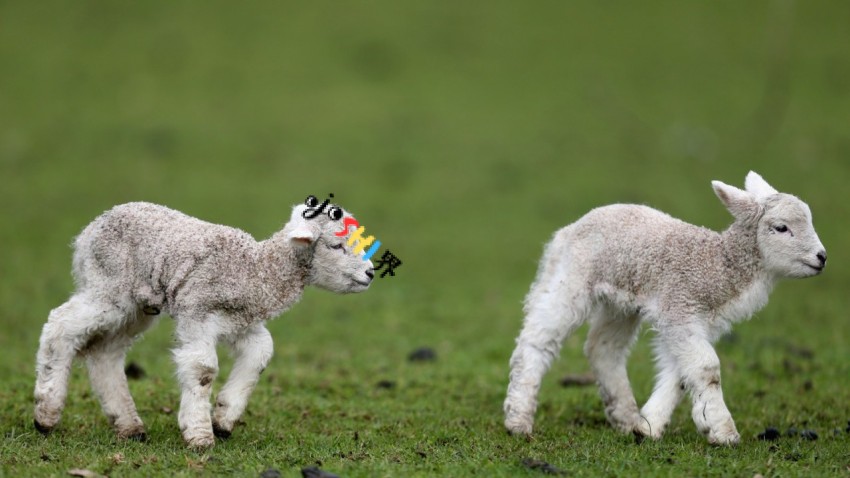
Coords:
pixel 554 280
pixel 84 262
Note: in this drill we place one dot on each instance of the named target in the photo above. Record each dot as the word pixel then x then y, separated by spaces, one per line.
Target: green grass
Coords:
pixel 462 134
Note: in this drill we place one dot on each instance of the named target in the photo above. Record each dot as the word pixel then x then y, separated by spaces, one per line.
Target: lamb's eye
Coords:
pixel 336 246
pixel 335 213
pixel 780 228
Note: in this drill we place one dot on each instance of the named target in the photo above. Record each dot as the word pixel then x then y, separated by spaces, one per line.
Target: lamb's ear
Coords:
pixel 740 203
pixel 302 234
pixel 758 187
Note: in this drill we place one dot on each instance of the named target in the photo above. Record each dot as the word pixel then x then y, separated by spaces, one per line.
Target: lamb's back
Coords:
pixel 635 247
pixel 143 245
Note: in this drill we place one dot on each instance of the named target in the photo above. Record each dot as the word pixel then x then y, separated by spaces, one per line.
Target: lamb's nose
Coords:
pixel 371 273
pixel 822 258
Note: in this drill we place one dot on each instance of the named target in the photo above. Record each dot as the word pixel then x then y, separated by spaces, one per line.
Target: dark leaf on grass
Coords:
pixel 422 354
pixel 802 352
pixel 769 434
pixel 385 384
pixel 809 435
pixel 794 456
pixel 791 367
pixel 848 427
pixel 270 473
pixel 134 371
pixel 315 472
pixel 578 380
pixel 542 466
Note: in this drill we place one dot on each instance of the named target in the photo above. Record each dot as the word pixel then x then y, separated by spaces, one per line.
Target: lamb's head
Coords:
pixel 786 238
pixel 333 264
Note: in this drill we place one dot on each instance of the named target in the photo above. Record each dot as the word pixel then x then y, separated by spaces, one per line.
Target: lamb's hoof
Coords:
pixel 221 432
pixel 518 427
pixel 646 430
pixel 725 438
pixel 519 433
pixel 41 428
pixel 200 442
pixel 134 431
pixel 639 437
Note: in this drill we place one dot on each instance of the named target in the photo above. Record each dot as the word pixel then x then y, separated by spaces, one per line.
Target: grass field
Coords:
pixel 462 134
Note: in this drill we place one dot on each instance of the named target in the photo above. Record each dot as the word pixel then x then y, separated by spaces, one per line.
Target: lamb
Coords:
pixel 139 260
pixel 621 265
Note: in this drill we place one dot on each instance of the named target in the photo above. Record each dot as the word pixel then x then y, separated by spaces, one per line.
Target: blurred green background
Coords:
pixel 462 135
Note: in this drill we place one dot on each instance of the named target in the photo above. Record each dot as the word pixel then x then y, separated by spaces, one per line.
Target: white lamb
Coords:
pixel 219 284
pixel 620 265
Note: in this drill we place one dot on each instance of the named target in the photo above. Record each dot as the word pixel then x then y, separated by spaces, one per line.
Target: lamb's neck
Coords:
pixel 283 272
pixel 744 269
pixel 741 255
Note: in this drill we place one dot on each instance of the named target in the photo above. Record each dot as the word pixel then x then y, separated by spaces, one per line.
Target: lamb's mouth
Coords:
pixel 363 283
pixel 817 268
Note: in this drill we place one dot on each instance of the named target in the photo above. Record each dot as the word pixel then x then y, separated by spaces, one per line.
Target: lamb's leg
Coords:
pixel 69 327
pixel 546 326
pixel 197 367
pixel 252 351
pixel 607 348
pixel 665 396
pixel 700 370
pixel 105 361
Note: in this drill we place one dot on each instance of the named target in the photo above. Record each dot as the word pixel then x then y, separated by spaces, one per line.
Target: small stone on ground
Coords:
pixel 578 380
pixel 315 472
pixel 543 467
pixel 134 371
pixel 422 354
pixel 769 434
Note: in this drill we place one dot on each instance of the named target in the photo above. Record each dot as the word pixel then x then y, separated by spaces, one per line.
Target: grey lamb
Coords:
pixel 139 260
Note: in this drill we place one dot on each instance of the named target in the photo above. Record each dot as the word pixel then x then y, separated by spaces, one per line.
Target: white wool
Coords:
pixel 138 260
pixel 621 265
